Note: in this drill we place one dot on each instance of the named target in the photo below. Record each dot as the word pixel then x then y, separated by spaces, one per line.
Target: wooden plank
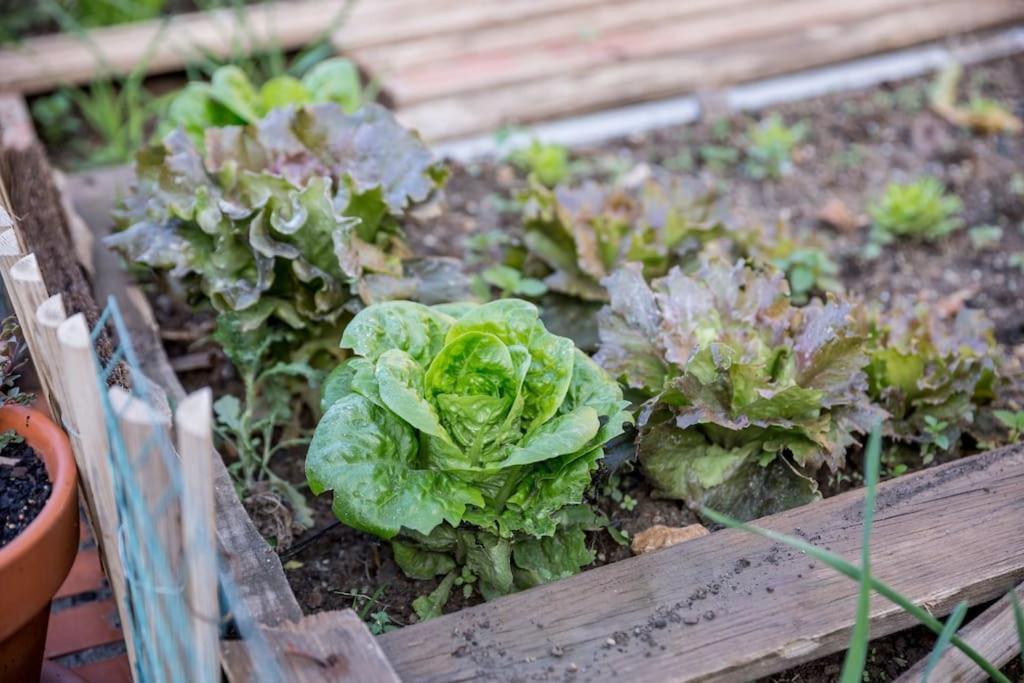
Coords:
pixel 193 422
pixel 436 18
pixel 492 68
pixel 324 648
pixel 683 609
pixel 993 634
pixel 41 63
pixel 581 24
pixel 40 221
pixel 643 79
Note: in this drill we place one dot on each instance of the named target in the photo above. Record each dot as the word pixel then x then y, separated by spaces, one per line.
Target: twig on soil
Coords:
pixel 301 545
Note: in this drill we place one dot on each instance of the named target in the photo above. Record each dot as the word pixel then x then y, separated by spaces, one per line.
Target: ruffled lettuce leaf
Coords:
pixel 739 382
pixel 282 221
pixel 583 234
pixel 931 373
pixel 464 430
pixel 493 565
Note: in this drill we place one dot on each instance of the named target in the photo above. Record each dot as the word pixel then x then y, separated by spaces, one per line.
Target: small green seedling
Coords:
pixel 920 210
pixel 936 431
pixel 381 622
pixel 770 150
pixel 8 437
pixel 719 157
pixel 509 282
pixel 1016 260
pixel 1012 421
pixel 549 163
pixel 985 236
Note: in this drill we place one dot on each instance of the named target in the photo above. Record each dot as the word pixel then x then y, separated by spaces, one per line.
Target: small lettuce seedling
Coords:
pixel 466 435
pixel 770 148
pixel 548 163
pixel 920 210
pixel 1013 421
pixel 748 395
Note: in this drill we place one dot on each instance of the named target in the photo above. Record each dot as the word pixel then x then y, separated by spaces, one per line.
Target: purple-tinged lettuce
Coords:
pixel 930 373
pixel 294 221
pixel 749 396
pixel 582 233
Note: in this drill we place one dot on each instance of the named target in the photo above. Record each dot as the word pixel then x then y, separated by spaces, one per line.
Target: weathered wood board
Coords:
pixel 452 93
pixel 993 633
pixel 732 606
pixel 322 648
pixel 42 63
pixel 455 69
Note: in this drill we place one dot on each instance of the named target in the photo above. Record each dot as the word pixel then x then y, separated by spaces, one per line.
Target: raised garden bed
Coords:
pixel 854 145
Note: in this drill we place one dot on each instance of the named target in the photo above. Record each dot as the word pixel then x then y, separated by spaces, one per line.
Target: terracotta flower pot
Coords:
pixel 35 564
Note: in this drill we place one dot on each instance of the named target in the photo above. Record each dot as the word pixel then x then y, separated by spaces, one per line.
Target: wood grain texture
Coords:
pixel 993 633
pixel 41 63
pixel 328 647
pixel 726 26
pixel 578 24
pixel 651 73
pixel 680 612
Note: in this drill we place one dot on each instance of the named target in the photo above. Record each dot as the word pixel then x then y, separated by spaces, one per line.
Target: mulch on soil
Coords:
pixel 24 489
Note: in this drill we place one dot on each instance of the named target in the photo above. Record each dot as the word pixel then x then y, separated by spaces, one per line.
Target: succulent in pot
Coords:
pixel 467 435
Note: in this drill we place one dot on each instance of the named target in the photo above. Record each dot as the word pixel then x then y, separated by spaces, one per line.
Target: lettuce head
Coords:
pixel 748 396
pixel 292 221
pixel 467 435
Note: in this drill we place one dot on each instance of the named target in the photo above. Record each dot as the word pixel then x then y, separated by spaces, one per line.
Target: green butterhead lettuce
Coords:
pixel 293 221
pixel 468 435
pixel 748 395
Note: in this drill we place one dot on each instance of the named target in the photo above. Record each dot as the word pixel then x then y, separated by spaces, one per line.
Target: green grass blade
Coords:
pixel 844 567
pixel 1018 616
pixel 952 624
pixel 857 653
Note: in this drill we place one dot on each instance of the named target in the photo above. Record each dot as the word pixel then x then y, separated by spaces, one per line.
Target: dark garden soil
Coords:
pixel 24 489
pixel 856 144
